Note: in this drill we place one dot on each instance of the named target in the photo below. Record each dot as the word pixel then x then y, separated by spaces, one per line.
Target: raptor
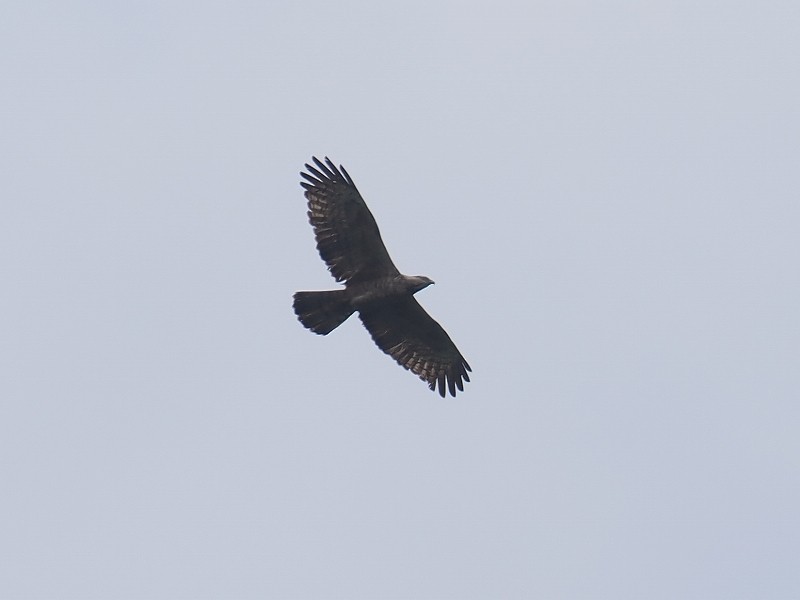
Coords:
pixel 349 242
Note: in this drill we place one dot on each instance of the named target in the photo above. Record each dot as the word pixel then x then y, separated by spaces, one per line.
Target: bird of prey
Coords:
pixel 349 242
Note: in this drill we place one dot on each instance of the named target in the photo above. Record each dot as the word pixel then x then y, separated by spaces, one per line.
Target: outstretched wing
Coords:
pixel 347 236
pixel 403 330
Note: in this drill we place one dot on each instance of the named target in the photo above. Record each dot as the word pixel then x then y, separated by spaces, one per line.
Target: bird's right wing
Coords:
pixel 347 236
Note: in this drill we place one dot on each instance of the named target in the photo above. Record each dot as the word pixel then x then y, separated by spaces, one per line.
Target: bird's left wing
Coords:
pixel 404 331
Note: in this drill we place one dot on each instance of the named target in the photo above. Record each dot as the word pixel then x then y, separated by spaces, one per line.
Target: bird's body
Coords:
pixel 349 242
pixel 378 290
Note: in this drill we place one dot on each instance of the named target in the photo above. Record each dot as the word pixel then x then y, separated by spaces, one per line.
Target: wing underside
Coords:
pixel 348 238
pixel 404 331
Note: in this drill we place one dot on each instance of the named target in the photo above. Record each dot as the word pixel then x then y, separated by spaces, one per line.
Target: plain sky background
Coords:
pixel 608 197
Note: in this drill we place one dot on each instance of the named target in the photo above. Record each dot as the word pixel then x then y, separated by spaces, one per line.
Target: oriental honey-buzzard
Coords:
pixel 349 242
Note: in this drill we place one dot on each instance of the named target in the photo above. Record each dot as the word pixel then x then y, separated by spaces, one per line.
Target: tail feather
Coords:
pixel 322 312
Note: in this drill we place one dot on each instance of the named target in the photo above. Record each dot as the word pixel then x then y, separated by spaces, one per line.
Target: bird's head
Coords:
pixel 419 282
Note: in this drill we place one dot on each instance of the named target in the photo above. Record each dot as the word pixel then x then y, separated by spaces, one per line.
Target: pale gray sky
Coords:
pixel 608 197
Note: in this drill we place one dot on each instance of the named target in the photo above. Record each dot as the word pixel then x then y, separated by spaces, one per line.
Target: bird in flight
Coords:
pixel 349 242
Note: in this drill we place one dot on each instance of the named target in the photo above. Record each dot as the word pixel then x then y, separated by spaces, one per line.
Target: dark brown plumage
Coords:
pixel 350 243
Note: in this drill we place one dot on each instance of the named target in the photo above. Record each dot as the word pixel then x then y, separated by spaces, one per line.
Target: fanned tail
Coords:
pixel 322 312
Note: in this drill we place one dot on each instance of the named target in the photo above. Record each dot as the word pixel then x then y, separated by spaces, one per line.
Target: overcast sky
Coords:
pixel 607 195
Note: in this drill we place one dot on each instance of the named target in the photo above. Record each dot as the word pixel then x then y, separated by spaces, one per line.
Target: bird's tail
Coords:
pixel 322 312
